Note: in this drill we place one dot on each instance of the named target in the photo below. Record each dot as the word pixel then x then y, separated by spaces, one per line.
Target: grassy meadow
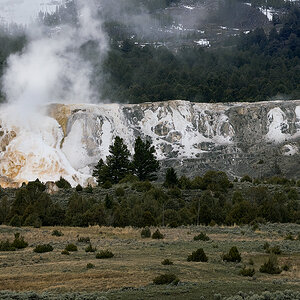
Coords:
pixel 137 261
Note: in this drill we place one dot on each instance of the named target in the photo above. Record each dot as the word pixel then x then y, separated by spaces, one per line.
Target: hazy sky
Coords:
pixel 23 11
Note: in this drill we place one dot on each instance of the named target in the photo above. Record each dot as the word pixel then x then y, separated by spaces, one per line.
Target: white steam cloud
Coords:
pixel 51 68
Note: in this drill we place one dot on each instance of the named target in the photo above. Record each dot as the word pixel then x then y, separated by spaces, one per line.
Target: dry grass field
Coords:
pixel 129 274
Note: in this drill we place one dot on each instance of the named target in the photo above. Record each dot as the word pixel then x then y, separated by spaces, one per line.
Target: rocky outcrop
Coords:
pixel 259 139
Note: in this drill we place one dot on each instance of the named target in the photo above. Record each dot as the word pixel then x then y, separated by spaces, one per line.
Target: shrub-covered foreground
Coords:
pixel 278 295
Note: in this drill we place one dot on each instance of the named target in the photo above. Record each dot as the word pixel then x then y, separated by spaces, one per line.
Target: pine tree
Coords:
pixel 117 164
pixel 171 178
pixel 144 163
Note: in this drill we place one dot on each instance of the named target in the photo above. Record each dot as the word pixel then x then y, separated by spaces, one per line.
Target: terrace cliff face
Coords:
pixel 259 139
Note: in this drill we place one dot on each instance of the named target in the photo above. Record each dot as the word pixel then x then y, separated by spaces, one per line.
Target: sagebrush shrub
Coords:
pixel 90 248
pixel 247 271
pixel 65 252
pixel 57 233
pixel 71 248
pixel 167 262
pixel 43 248
pixel 84 239
pixel 146 232
pixel 271 266
pixel 275 250
pixel 90 266
pixel 201 237
pixel 166 279
pixel 233 255
pixel 198 255
pixel 104 254
pixel 157 235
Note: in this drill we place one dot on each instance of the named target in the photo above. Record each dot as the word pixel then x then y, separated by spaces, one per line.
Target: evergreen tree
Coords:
pixel 144 163
pixel 171 178
pixel 117 163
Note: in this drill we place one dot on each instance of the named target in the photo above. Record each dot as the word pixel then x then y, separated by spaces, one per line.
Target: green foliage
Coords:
pixel 117 164
pixel 90 248
pixel 15 221
pixel 18 243
pixel 271 266
pixel 251 262
pixel 142 186
pixel 65 252
pixel 289 237
pixel 146 232
pixel 71 248
pixel 246 178
pixel 167 262
pixel 107 185
pixel 103 254
pixel 90 266
pixel 144 163
pixel 79 188
pixel 57 233
pixel 157 235
pixel 63 183
pixel 275 250
pixel 198 256
pixel 168 278
pixel 201 237
pixel 233 255
pixel 120 192
pixel 171 179
pixel 43 248
pixel 247 272
pixel 84 239
pixel 88 189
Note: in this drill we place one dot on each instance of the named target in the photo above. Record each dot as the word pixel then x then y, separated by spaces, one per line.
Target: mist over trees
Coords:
pixel 260 65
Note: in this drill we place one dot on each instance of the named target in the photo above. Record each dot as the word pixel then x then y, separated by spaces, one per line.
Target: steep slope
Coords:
pixel 260 139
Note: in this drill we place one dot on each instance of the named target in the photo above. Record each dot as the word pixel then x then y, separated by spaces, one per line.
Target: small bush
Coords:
pixel 247 272
pixel 201 237
pixel 71 248
pixel 142 186
pixel 285 267
pixel 84 239
pixel 167 262
pixel 107 185
pixel 120 192
pixel 104 254
pixel 57 233
pixel 79 188
pixel 19 242
pixel 157 235
pixel 266 246
pixel 90 266
pixel 275 250
pixel 65 252
pixel 289 237
pixel 6 246
pixel 233 255
pixel 89 189
pixel 43 248
pixel 198 255
pixel 168 278
pixel 63 184
pixel 90 248
pixel 146 232
pixel 246 178
pixel 15 221
pixel 251 262
pixel 271 266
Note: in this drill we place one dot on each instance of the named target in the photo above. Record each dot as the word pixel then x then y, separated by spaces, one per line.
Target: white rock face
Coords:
pixel 70 139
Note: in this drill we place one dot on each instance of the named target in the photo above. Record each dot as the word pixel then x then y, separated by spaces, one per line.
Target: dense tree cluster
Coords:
pixel 214 200
pixel 118 165
pixel 261 66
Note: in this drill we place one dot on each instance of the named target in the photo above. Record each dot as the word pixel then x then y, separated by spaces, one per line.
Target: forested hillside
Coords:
pixel 254 65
